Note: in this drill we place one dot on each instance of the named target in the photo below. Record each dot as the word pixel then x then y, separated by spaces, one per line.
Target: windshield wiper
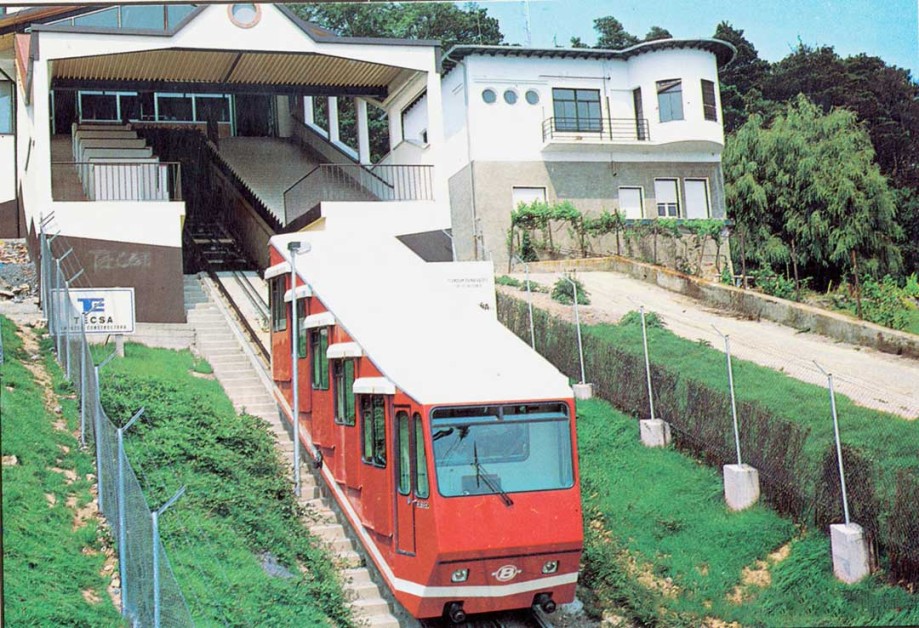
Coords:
pixel 481 475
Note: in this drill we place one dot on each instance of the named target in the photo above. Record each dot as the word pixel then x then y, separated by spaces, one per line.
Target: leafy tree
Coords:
pixel 446 22
pixel 741 80
pixel 806 191
pixel 656 33
pixel 577 42
pixel 611 34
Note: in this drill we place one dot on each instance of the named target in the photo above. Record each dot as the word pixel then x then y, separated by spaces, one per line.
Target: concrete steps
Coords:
pixel 216 342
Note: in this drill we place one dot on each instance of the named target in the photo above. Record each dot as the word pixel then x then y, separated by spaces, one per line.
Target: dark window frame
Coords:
pixel 709 103
pixel 670 100
pixel 344 392
pixel 373 430
pixel 421 460
pixel 277 304
pixel 319 365
pixel 301 329
pixel 404 446
pixel 581 121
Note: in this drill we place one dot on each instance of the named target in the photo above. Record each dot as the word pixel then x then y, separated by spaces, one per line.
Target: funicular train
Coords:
pixel 447 442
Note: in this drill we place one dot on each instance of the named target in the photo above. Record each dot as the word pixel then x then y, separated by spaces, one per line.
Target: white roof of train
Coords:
pixel 431 344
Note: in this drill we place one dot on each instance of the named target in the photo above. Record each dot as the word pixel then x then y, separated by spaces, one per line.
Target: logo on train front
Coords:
pixel 505 573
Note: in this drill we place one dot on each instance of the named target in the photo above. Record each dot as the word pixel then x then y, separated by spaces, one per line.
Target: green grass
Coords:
pixel 47 565
pixel 660 543
pixel 879 435
pixel 912 326
pixel 238 503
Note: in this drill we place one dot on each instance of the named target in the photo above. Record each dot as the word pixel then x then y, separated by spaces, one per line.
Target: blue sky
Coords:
pixel 888 29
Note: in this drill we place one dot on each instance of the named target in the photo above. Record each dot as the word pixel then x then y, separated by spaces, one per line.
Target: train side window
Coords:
pixel 278 306
pixel 373 424
pixel 343 375
pixel 421 462
pixel 405 453
pixel 301 330
pixel 319 344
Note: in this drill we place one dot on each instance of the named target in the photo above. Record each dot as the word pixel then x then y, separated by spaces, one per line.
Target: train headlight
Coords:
pixel 551 566
pixel 460 575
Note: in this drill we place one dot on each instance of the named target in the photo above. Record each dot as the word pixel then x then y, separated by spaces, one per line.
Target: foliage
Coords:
pixel 563 291
pixel 611 34
pixel 806 192
pixel 661 546
pixel 741 80
pixel 656 32
pixel 774 284
pixel 786 427
pixel 884 302
pixel 506 280
pixel 634 318
pixel 238 505
pixel 49 563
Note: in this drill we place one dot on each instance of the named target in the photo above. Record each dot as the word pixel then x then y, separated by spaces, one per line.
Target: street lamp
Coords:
pixel 294 248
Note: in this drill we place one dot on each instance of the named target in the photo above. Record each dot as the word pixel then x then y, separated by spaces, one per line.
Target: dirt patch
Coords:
pixel 90 596
pixel 82 514
pixel 51 498
pixel 758 576
pixel 644 574
pixel 202 375
pixel 10 461
pixel 70 476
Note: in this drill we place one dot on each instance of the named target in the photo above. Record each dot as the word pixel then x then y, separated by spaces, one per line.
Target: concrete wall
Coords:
pixel 591 187
pixel 462 215
pixel 752 304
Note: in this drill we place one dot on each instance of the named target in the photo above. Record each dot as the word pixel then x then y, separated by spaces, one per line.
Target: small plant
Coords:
pixel 534 287
pixel 563 291
pixel 776 285
pixel 200 365
pixel 634 318
pixel 505 280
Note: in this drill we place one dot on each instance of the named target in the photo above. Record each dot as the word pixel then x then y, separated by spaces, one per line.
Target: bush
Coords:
pixel 634 318
pixel 563 291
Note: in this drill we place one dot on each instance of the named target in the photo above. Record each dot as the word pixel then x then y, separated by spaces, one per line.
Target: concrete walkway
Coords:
pixel 268 166
pixel 870 378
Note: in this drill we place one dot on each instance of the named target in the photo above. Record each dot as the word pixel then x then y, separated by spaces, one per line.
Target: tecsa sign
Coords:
pixel 105 310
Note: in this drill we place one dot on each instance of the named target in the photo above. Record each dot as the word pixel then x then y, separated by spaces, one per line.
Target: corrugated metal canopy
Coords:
pixel 229 67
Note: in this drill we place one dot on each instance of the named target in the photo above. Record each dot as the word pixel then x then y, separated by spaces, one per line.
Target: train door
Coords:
pixel 376 477
pixel 411 478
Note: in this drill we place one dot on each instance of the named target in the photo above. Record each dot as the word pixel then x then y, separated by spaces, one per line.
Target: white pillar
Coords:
pixel 363 131
pixel 40 157
pixel 394 115
pixel 436 140
pixel 308 116
pixel 333 119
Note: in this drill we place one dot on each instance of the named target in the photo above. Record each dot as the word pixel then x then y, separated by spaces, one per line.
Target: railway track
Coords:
pixel 516 619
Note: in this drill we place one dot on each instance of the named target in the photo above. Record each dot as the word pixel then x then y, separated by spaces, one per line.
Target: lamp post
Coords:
pixel 294 248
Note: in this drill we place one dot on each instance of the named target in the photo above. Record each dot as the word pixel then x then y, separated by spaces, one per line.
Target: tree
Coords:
pixel 807 191
pixel 741 80
pixel 446 22
pixel 612 35
pixel 656 33
pixel 577 42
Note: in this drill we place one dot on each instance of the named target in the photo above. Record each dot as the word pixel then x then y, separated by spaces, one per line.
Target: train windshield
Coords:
pixel 502 449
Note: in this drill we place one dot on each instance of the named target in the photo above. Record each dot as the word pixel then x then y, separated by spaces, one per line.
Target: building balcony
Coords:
pixel 579 131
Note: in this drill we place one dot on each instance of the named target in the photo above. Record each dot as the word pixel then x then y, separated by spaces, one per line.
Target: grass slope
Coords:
pixel 661 543
pixel 49 561
pixel 238 505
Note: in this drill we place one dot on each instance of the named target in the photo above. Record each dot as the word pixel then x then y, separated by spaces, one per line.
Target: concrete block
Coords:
pixel 741 486
pixel 850 552
pixel 583 391
pixel 654 432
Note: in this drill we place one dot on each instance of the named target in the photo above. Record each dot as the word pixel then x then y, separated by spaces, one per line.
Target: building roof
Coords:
pixel 723 51
pixel 427 338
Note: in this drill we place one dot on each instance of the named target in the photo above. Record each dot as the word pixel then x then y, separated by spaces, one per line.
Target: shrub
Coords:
pixel 563 291
pixel 634 318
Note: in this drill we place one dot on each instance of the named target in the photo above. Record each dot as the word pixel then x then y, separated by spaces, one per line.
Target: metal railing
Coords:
pixel 104 180
pixel 354 182
pixel 150 594
pixel 595 130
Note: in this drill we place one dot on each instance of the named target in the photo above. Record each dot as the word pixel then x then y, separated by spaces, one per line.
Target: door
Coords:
pixel 405 485
pixel 65 111
pixel 254 115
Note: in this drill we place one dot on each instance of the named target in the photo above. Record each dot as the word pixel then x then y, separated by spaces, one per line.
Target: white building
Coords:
pixel 638 130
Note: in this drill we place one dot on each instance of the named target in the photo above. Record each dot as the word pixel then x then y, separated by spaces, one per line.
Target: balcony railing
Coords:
pixel 595 130
pixel 103 180
pixel 353 182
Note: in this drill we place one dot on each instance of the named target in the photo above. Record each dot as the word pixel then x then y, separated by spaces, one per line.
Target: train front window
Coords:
pixel 502 449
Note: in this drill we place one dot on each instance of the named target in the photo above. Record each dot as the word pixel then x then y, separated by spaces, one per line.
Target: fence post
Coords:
pixel 122 519
pixel 583 390
pixel 97 420
pixel 155 519
pixel 83 385
pixel 654 432
pixel 644 340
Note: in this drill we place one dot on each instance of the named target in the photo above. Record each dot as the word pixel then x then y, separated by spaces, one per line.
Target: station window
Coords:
pixel 343 375
pixel 422 490
pixel 319 344
pixel 278 307
pixel 373 425
pixel 301 330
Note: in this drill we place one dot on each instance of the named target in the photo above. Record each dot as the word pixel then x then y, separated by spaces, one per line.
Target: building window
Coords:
pixel 709 109
pixel 668 199
pixel 301 329
pixel 421 461
pixel 373 427
pixel 277 304
pixel 532 96
pixel 319 344
pixel 696 194
pixel 175 108
pixel 489 96
pixel 631 203
pixel 670 99
pixel 343 372
pixel 510 97
pixel 527 196
pixel 576 109
pixel 216 105
pixel 6 108
pixel 244 15
pixel 107 18
pixel 99 106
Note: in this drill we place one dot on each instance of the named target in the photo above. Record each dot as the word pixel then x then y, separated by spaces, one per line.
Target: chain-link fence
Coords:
pixel 150 594
pixel 785 428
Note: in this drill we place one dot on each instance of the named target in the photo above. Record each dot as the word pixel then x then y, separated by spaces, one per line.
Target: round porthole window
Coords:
pixel 510 96
pixel 532 96
pixel 489 96
pixel 244 15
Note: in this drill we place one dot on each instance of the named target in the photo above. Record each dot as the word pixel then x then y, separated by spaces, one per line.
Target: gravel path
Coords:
pixel 870 378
